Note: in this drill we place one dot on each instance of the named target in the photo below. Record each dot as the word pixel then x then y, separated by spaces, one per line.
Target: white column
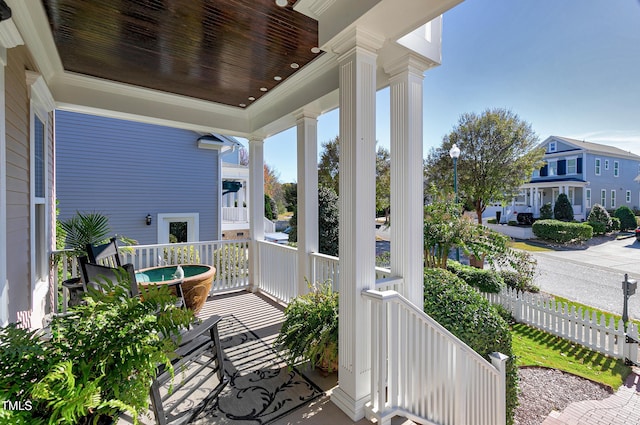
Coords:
pixel 357 97
pixel 407 175
pixel 307 135
pixel 4 284
pixel 241 199
pixel 256 206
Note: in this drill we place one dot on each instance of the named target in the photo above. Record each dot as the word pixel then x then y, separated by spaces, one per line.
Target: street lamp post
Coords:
pixel 454 153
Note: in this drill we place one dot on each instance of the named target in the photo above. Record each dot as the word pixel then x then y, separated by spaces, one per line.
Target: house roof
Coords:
pixel 596 147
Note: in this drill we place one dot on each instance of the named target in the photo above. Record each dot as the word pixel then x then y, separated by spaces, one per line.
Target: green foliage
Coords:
pixel 383 260
pixel 270 212
pixel 290 194
pixel 615 224
pixel 626 217
pixel 443 229
pixel 546 212
pixel 230 262
pixel 515 280
pixel 181 254
pixel 329 221
pixel 598 228
pixel 485 280
pixel 83 229
pixel 310 328
pixel 563 210
pixel 100 359
pixel 383 181
pixel 329 165
pixel 497 155
pixel 600 215
pixel 562 232
pixel 470 317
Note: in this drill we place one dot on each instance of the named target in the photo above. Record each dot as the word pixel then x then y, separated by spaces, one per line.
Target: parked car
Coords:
pixel 638 233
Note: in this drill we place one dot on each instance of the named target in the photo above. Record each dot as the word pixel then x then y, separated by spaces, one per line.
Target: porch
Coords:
pixel 419 370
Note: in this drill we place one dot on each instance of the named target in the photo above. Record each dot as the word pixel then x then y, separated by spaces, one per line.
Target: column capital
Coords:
pixel 9 34
pixel 357 38
pixel 256 140
pixel 410 63
pixel 302 113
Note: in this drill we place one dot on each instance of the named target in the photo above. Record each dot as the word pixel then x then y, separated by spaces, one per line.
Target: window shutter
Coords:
pixel 579 166
pixel 544 171
pixel 562 167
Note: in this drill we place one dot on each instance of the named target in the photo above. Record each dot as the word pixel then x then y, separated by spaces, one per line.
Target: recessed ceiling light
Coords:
pixel 282 3
pixel 251 98
pixel 315 50
pixel 242 105
pixel 263 89
pixel 277 78
pixel 295 65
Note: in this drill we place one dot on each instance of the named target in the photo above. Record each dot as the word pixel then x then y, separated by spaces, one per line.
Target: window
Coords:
pixel 597 166
pixel 179 227
pixel 606 164
pixel 553 146
pixel 616 169
pixel 572 166
pixel 553 168
pixel 628 197
pixel 603 198
pixel 613 199
pixel 536 173
pixel 41 104
pixel 588 196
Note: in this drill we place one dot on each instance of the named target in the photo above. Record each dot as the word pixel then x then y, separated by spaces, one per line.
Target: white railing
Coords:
pixel 278 270
pixel 421 371
pixel 230 258
pixel 235 214
pixel 63 266
pixel 583 327
pixel 269 226
pixel 327 268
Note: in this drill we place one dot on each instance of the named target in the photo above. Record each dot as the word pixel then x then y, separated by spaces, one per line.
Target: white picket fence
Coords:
pixel 584 327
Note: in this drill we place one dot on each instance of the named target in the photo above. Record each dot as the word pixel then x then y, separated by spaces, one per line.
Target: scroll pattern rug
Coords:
pixel 261 387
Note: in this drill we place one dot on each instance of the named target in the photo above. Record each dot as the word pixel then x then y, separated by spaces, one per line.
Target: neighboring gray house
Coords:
pixel 588 173
pixel 150 181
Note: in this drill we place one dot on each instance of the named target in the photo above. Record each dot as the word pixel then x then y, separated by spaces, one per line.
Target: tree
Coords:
pixel 328 222
pixel 563 210
pixel 329 165
pixel 290 194
pixel 599 219
pixel 383 182
pixel 244 156
pixel 497 155
pixel 627 218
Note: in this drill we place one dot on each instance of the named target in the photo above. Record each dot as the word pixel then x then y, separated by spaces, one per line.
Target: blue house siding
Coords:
pixel 127 170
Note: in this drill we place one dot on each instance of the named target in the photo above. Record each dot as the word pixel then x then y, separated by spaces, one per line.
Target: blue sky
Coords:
pixel 569 67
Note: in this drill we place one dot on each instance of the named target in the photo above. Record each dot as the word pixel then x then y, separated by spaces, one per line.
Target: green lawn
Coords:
pixel 528 246
pixel 533 347
pixel 591 309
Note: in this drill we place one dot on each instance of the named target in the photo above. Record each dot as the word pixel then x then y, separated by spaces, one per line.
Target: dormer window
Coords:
pixel 553 147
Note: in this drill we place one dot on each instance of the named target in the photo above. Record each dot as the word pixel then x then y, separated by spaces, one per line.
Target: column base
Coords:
pixel 354 409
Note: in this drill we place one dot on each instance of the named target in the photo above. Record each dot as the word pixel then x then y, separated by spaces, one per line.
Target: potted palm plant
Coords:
pixel 310 329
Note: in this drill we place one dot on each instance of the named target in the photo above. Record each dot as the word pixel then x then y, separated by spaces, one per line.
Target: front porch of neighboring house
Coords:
pixel 532 196
pixel 393 360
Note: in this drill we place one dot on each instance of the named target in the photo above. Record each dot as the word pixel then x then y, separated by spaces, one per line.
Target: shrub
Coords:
pixel 615 225
pixel 598 228
pixel 230 262
pixel 562 232
pixel 546 212
pixel 181 254
pixel 563 210
pixel 329 221
pixel 486 280
pixel 599 214
pixel 626 217
pixel 515 280
pixel 470 317
pixel 512 223
pixel 492 221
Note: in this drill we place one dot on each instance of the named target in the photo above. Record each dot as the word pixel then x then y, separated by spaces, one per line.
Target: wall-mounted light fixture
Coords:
pixel 148 219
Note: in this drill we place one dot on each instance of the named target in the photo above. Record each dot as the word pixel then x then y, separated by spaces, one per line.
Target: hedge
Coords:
pixel 560 231
pixel 486 280
pixel 627 218
pixel 469 316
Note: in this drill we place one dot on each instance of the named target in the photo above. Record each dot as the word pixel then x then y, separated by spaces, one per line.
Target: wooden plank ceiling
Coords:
pixel 231 52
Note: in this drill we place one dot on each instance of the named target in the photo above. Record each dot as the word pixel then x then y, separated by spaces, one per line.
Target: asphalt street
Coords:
pixel 592 276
